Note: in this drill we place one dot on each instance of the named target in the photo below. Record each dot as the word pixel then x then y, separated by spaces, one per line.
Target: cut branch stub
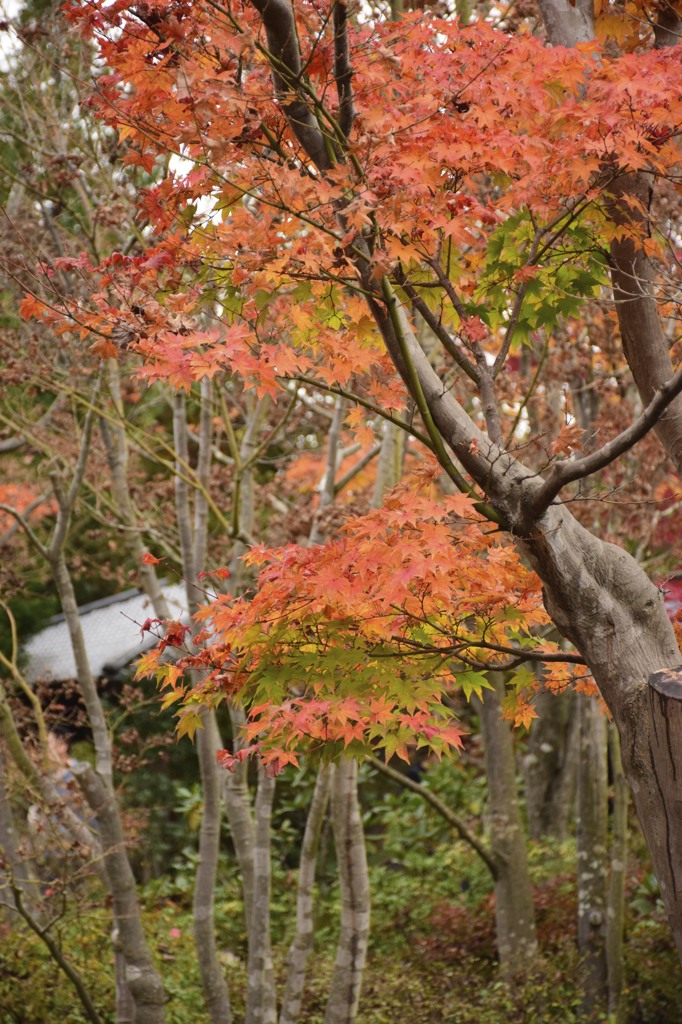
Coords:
pixel 668 684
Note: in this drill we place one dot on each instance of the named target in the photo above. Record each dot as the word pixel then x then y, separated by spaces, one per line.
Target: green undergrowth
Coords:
pixel 431 959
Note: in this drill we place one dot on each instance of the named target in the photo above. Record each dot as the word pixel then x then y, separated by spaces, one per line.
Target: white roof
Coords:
pixel 111 628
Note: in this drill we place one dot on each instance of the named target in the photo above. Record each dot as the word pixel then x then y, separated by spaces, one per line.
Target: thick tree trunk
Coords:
pixel 349 839
pixel 514 911
pixel 602 602
pixel 592 858
pixel 596 593
pixel 656 787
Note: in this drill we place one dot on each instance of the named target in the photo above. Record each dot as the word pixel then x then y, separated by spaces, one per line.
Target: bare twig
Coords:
pixel 442 808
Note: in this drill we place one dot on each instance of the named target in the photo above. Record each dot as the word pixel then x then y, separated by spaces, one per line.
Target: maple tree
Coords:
pixel 394 212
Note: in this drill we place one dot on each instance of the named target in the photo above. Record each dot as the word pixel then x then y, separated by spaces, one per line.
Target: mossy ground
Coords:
pixel 431 961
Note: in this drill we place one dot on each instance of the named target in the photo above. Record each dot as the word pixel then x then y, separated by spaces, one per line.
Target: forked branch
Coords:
pixel 563 473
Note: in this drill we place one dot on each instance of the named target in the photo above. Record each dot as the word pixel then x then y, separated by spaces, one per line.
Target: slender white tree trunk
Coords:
pixel 514 911
pixel 141 976
pixel 592 857
pixel 616 898
pixel 260 997
pixel 213 981
pixel 349 840
pixel 193 543
pixel 300 948
pixel 240 816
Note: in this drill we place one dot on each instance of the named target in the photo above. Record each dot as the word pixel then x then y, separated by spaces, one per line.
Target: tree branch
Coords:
pixel 563 473
pixel 279 22
pixel 442 808
pixel 357 468
pixel 437 327
pixel 342 68
pixel 55 952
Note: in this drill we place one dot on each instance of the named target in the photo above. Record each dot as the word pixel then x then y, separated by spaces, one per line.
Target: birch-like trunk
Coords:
pixel 144 981
pixel 514 911
pixel 142 978
pixel 260 996
pixel 193 543
pixel 300 948
pixel 592 858
pixel 615 921
pixel 240 816
pixel 213 981
pixel 349 840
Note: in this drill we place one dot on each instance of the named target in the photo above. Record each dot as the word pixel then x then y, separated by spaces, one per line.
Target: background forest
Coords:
pixel 142 881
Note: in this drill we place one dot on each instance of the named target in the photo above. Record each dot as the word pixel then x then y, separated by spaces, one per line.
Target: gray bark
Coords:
pixel 390 468
pixel 550 765
pixel 327 489
pixel 297 957
pixel 592 858
pixel 116 445
pixel 616 896
pixel 236 794
pixel 260 997
pixel 603 602
pixel 141 976
pixel 193 548
pixel 282 37
pixel 349 840
pixel 240 816
pixel 18 871
pixel 514 911
pixel 632 274
pixel 567 23
pixel 645 345
pixel 144 981
pixel 599 598
pixel 597 595
pixel 212 976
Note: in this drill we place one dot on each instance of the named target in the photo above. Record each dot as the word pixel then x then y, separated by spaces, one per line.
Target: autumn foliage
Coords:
pixel 467 171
